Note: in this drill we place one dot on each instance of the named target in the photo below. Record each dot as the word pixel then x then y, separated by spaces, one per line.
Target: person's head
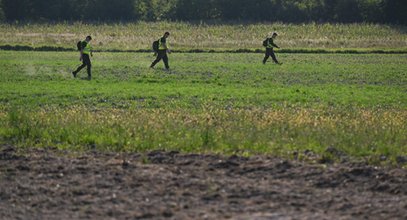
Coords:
pixel 166 34
pixel 274 35
pixel 88 38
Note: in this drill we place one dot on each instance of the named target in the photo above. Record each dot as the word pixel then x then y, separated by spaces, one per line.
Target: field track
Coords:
pixel 50 184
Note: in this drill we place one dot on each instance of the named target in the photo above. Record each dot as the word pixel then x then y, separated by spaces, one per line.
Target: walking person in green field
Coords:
pixel 85 51
pixel 161 49
pixel 269 45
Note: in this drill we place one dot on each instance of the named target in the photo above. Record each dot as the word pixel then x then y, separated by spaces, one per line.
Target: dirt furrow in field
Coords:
pixel 54 184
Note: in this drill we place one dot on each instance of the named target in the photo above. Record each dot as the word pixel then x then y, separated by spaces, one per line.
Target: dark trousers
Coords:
pixel 85 63
pixel 161 55
pixel 270 53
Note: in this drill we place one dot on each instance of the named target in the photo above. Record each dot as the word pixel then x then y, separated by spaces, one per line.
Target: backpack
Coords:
pixel 79 45
pixel 156 45
pixel 265 42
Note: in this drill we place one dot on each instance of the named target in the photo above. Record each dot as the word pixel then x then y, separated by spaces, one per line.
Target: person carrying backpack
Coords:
pixel 85 50
pixel 161 49
pixel 269 44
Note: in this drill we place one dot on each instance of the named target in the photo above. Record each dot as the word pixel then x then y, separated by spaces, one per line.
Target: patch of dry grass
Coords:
pixel 133 36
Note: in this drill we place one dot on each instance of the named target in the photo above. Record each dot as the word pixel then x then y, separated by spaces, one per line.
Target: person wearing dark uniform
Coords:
pixel 86 51
pixel 163 49
pixel 269 49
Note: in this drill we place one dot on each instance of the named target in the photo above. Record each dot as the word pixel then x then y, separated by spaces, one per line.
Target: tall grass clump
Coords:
pixel 355 132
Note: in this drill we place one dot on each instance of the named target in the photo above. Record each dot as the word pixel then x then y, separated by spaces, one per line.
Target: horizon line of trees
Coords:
pixel 296 11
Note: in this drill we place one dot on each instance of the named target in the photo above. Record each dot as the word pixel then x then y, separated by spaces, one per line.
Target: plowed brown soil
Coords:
pixel 54 184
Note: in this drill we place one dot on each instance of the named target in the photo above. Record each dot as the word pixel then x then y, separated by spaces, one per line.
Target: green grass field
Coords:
pixel 209 102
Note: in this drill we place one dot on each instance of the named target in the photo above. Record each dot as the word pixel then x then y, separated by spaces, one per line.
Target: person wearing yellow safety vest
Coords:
pixel 163 49
pixel 85 51
pixel 269 44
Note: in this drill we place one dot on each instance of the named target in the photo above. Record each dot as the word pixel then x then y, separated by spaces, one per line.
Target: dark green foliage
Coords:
pixel 198 9
pixel 49 10
pixel 1 11
pixel 103 10
pixel 154 10
pixel 347 11
pixel 395 11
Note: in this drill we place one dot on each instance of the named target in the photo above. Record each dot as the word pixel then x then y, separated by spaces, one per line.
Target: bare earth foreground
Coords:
pixel 53 184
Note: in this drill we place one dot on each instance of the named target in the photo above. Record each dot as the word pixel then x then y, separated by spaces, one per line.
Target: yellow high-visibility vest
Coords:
pixel 87 49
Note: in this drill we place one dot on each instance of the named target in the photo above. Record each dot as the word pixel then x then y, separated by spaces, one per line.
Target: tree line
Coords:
pixel 297 11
